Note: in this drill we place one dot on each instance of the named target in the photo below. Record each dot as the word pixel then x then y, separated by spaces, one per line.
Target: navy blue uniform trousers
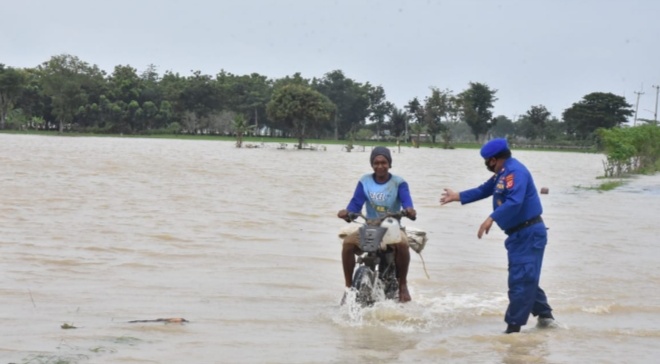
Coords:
pixel 525 250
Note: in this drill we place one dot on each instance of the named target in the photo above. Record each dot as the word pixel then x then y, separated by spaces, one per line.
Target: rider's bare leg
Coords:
pixel 402 261
pixel 348 262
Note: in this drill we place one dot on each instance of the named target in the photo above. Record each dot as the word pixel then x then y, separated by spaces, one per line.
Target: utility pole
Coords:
pixel 655 114
pixel 637 106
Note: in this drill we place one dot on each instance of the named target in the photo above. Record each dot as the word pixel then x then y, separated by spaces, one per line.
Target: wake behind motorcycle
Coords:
pixel 375 276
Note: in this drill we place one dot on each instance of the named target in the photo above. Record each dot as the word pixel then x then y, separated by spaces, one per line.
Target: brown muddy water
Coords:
pixel 96 232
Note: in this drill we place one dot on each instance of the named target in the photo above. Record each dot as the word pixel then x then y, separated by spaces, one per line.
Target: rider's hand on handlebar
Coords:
pixel 411 213
pixel 343 214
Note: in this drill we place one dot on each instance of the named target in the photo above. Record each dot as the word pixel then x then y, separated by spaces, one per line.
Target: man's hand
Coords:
pixel 411 213
pixel 449 196
pixel 343 214
pixel 485 227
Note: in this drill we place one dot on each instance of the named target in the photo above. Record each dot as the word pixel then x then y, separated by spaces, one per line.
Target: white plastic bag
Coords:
pixel 416 239
pixel 393 234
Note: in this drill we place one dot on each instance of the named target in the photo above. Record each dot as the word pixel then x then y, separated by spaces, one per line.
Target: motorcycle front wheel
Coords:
pixel 364 282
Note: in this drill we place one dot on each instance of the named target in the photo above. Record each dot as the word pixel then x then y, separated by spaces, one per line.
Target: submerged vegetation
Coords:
pixel 629 151
pixel 610 185
pixel 632 150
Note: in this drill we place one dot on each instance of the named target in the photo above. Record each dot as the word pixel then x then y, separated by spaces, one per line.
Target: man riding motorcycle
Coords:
pixel 382 192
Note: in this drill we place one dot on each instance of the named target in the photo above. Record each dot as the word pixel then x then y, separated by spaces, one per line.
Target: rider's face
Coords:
pixel 381 166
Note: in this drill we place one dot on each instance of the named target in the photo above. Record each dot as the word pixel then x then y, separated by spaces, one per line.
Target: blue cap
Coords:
pixel 493 148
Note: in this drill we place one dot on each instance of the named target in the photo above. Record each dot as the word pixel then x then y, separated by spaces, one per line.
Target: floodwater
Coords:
pixel 242 243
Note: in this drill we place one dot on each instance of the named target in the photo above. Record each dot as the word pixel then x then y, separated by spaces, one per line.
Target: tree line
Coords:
pixel 67 94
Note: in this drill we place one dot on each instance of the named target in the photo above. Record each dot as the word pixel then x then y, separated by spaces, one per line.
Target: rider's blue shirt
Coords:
pixel 515 199
pixel 381 198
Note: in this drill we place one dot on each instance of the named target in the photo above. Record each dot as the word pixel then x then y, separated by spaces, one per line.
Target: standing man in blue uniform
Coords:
pixel 382 192
pixel 516 210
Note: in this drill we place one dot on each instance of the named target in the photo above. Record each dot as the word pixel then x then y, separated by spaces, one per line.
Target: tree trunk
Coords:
pixel 256 121
pixel 336 128
pixel 301 137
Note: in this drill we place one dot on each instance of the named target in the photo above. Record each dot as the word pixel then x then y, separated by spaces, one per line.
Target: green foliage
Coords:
pixel 124 84
pixel 249 95
pixel 379 107
pixel 240 128
pixel 36 122
pixel 12 82
pixel 70 94
pixel 534 123
pixel 417 130
pixel 295 79
pixel 596 110
pixel 398 122
pixel 610 185
pixel 554 131
pixel 436 108
pixel 447 139
pixel 646 139
pixel 200 94
pixel 630 150
pixel 363 134
pixel 174 127
pixel 502 127
pixel 299 109
pixel 415 109
pixel 605 186
pixel 476 103
pixel 351 98
pixel 66 80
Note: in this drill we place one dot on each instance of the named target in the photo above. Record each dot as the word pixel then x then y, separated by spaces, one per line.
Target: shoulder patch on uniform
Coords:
pixel 509 181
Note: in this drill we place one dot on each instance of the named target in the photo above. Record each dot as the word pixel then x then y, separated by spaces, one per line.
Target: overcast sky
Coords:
pixel 543 52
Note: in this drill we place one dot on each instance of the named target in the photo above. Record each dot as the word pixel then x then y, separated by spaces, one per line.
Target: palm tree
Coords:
pixel 417 129
pixel 241 128
pixel 399 123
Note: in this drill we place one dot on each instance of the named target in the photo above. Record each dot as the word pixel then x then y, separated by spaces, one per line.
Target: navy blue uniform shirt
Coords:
pixel 515 199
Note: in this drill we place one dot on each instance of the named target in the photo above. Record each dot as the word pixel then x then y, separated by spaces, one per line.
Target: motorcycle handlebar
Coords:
pixel 397 215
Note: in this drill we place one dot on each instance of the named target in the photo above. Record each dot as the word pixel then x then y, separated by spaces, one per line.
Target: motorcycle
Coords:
pixel 375 276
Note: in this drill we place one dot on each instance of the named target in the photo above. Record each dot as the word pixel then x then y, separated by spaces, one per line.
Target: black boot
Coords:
pixel 545 320
pixel 512 328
